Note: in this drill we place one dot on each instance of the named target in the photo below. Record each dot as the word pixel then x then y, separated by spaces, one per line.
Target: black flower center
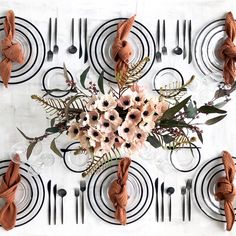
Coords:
pixel 94 118
pixel 145 113
pixel 126 130
pixel 116 140
pixel 127 145
pixel 126 102
pixel 95 133
pixel 85 118
pixel 137 99
pixel 76 131
pixel 106 124
pixel 106 140
pixel 139 135
pixel 105 103
pixel 112 117
pixel 132 116
pixel 155 114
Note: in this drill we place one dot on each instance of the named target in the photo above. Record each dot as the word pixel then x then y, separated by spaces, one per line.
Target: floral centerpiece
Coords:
pixel 104 121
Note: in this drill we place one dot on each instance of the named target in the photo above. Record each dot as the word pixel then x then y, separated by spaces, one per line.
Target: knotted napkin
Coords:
pixel 11 51
pixel 118 191
pixel 228 50
pixel 8 188
pixel 225 190
pixel 121 48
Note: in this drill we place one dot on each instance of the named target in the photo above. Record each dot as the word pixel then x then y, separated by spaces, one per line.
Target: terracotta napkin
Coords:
pixel 11 51
pixel 121 48
pixel 118 192
pixel 225 190
pixel 228 50
pixel 8 188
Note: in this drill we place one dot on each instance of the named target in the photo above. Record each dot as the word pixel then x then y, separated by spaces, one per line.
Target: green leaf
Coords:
pixel 167 138
pixel 190 110
pixel 83 77
pixel 26 137
pixel 199 134
pixel 169 114
pixel 52 130
pixel 54 148
pixel 215 120
pixel 100 82
pixel 210 109
pixel 30 149
pixel 154 141
pixel 221 104
pixel 53 121
pixel 173 123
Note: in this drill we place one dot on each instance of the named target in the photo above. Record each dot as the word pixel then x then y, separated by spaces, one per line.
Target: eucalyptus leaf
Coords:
pixel 53 121
pixel 215 120
pixel 30 149
pixel 65 72
pixel 210 109
pixel 100 82
pixel 190 110
pixel 170 113
pixel 221 104
pixel 167 138
pixel 52 130
pixel 173 123
pixel 199 134
pixel 220 93
pixel 154 141
pixel 54 148
pixel 83 77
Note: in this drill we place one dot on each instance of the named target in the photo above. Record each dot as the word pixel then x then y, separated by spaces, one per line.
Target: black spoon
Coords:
pixel 62 193
pixel 157 204
pixel 72 49
pixel 170 191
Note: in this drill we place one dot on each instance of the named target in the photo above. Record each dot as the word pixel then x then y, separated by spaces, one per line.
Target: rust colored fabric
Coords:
pixel 118 191
pixel 228 50
pixel 11 51
pixel 225 190
pixel 121 48
pixel 8 188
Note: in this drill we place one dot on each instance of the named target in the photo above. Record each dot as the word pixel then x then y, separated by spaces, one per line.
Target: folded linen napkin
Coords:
pixel 11 51
pixel 118 191
pixel 228 50
pixel 121 48
pixel 225 190
pixel 8 188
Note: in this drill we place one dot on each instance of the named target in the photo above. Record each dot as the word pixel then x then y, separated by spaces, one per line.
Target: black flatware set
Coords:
pixel 177 50
pixel 62 193
pixel 72 49
pixel 160 211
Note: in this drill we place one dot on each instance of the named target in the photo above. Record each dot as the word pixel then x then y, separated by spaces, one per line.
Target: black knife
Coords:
pixel 162 201
pixel 189 42
pixel 85 41
pixel 55 203
pixel 157 204
pixel 49 201
pixel 184 39
pixel 80 43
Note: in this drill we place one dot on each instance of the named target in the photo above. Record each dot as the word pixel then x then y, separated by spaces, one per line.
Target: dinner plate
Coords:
pixel 168 81
pixel 100 48
pixel 33 47
pixel 204 189
pixel 139 188
pixel 30 194
pixel 206 49
pixel 54 82
pixel 77 163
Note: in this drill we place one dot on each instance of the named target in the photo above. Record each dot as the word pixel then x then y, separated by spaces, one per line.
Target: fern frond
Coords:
pixel 133 73
pixel 50 105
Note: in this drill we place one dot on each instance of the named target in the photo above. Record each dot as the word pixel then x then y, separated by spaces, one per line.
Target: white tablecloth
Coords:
pixel 18 110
